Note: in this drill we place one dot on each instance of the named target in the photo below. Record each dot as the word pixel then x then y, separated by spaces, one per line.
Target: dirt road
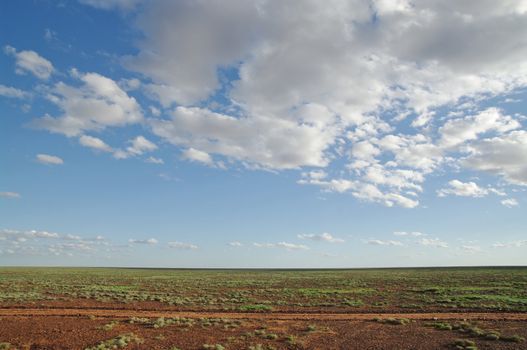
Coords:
pixel 110 313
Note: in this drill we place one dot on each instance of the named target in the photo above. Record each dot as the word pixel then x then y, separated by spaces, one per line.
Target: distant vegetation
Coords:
pixel 441 289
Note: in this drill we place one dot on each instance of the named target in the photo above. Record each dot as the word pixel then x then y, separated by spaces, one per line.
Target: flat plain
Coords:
pixel 109 308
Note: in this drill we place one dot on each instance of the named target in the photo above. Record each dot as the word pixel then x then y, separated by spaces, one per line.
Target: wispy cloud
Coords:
pixel 49 159
pixel 11 195
pixel 432 242
pixel 323 237
pixel 284 245
pixel 182 245
pixel 411 234
pixel 383 242
pixel 150 241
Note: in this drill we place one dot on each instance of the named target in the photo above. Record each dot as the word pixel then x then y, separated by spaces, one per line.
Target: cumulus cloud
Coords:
pixel 509 202
pixel 40 242
pixel 457 131
pixel 466 189
pixel 196 155
pixel 353 84
pixel 10 195
pixel 504 155
pixel 12 92
pixel 30 62
pixel 94 143
pixel 138 146
pixel 323 237
pixel 181 245
pixel 284 245
pixel 149 241
pixel 384 242
pixel 269 142
pixel 49 159
pixel 94 105
pixel 433 242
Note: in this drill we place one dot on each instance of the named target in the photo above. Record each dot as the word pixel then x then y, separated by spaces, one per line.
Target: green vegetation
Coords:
pixel 464 344
pixel 109 326
pixel 213 347
pixel 475 331
pixel 438 289
pixel 253 308
pixel 118 342
pixel 393 321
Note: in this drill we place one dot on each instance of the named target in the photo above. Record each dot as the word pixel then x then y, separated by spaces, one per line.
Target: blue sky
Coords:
pixel 263 134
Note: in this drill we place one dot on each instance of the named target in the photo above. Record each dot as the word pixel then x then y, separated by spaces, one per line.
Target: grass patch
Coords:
pixel 118 342
pixel 465 344
pixel 393 321
pixel 256 307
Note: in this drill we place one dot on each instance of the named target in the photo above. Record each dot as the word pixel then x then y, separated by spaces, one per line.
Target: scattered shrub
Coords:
pixel 213 346
pixel 120 341
pixel 513 338
pixel 464 344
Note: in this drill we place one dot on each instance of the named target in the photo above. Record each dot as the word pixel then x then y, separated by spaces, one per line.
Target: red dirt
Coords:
pixel 59 332
pixel 109 313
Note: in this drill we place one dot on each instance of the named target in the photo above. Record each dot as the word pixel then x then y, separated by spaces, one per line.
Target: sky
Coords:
pixel 259 133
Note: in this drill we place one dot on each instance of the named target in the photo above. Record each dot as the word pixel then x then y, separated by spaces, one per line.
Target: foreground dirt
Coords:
pixel 46 329
pixel 110 313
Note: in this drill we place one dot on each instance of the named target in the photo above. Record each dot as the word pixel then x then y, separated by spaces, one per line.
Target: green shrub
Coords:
pixel 120 341
pixel 513 338
pixel 465 344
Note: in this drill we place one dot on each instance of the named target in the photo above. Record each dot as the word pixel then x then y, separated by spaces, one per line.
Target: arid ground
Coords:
pixel 440 308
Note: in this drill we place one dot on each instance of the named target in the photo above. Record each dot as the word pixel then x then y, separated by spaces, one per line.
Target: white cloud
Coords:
pixel 466 189
pixel 324 237
pixel 154 160
pixel 264 141
pixel 361 190
pixel 433 242
pixel 320 84
pixel 12 92
pixel 502 155
pixel 471 249
pixel 235 244
pixel 11 195
pixel 94 143
pixel 98 103
pixel 457 131
pixel 384 242
pixel 28 234
pixel 181 245
pixel 150 241
pixel 284 245
pixel 125 5
pixel 513 244
pixel 510 202
pixel 30 61
pixel 140 145
pixel 49 159
pixel 412 234
pixel 196 155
